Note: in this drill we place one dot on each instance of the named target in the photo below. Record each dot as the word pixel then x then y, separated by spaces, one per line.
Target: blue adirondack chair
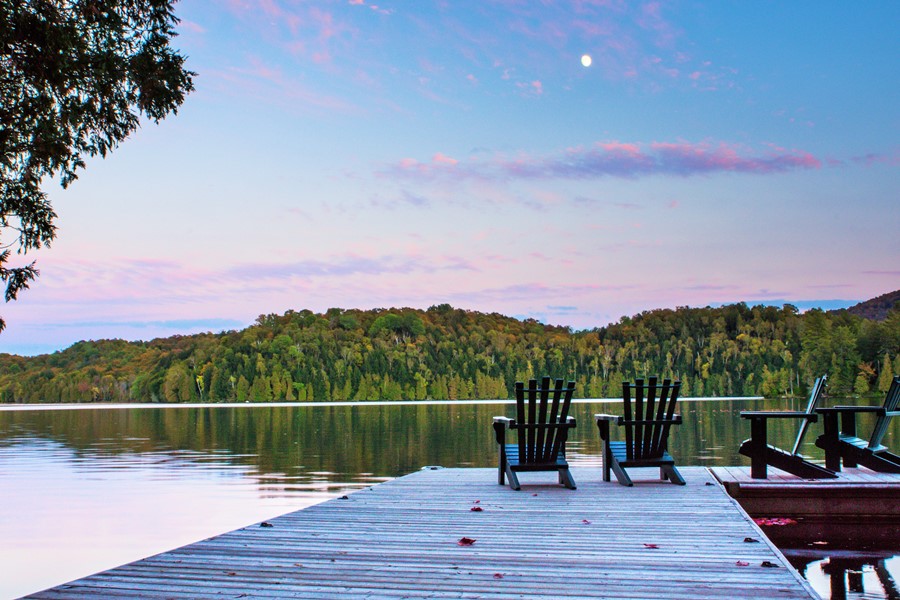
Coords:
pixel 542 425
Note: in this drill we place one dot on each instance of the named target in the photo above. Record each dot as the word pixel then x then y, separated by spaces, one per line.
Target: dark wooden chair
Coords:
pixel 542 425
pixel 646 431
pixel 762 453
pixel 844 445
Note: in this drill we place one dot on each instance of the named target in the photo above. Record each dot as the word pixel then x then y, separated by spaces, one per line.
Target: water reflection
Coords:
pixel 136 481
pixel 839 575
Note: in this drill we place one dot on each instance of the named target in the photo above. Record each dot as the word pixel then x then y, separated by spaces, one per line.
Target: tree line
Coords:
pixel 449 353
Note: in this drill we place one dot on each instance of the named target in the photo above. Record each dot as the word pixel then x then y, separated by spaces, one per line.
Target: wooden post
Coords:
pixel 758 468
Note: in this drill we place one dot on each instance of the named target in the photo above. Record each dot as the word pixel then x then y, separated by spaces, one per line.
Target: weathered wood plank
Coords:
pixel 400 540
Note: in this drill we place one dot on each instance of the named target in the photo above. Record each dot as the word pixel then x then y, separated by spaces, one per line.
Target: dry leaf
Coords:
pixel 741 563
pixel 774 521
pixel 651 545
pixel 464 541
pixel 498 575
pixel 476 509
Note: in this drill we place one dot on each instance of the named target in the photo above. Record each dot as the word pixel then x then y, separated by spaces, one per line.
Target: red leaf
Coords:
pixel 498 575
pixel 585 521
pixel 651 545
pixel 476 509
pixel 741 563
pixel 478 502
pixel 774 521
pixel 464 541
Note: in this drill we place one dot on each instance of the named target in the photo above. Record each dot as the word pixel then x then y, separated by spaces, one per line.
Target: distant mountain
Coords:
pixel 876 309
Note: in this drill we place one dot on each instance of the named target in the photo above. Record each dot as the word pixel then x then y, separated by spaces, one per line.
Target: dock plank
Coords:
pixel 399 540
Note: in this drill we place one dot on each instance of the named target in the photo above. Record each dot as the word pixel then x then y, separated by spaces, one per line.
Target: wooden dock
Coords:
pixel 856 493
pixel 859 509
pixel 401 539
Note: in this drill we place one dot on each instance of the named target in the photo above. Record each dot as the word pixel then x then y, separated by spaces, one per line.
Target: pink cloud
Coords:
pixel 874 158
pixel 616 159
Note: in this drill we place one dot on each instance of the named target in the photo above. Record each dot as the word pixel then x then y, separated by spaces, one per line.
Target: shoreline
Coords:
pixel 161 405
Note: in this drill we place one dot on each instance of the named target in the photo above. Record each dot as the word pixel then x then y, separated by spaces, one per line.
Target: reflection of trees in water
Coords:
pixel 383 441
pixel 845 573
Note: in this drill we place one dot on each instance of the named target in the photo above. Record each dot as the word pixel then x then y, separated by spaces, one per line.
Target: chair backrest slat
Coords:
pixel 532 406
pixel 638 415
pixel 541 413
pixel 670 416
pixel 561 432
pixel 629 434
pixel 542 418
pixel 650 430
pixel 891 401
pixel 661 413
pixel 547 447
pixel 520 418
pixel 815 395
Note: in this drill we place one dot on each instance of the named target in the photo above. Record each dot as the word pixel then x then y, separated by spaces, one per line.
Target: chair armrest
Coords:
pixel 610 418
pixel 570 421
pixel 879 410
pixel 675 420
pixel 759 414
pixel 501 424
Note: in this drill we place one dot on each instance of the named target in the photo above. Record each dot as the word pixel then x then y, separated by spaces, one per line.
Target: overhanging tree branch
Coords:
pixel 75 77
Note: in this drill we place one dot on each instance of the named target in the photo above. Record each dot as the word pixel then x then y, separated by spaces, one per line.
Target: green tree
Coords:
pixel 885 376
pixel 178 385
pixel 76 76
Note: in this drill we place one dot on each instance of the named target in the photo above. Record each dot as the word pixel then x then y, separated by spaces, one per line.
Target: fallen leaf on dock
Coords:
pixel 750 540
pixel 476 509
pixel 464 541
pixel 651 546
pixel 585 521
pixel 498 575
pixel 266 524
pixel 770 565
pixel 774 521
pixel 741 563
pixel 477 502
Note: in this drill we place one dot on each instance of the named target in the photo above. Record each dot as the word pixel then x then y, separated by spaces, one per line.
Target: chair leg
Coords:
pixel 501 469
pixel 565 478
pixel 607 459
pixel 671 473
pixel 513 479
pixel 621 475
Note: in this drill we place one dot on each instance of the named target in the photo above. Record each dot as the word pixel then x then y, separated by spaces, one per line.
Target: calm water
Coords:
pixel 86 490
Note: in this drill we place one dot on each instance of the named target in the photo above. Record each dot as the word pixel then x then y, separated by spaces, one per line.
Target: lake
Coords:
pixel 88 489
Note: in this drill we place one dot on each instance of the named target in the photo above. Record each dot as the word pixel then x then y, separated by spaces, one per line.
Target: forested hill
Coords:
pixel 447 353
pixel 878 308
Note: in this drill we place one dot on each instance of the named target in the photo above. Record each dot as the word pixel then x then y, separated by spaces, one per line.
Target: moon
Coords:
pixel 586 60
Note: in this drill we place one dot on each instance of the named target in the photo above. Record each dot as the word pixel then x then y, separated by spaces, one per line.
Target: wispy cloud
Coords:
pixel 345 266
pixel 611 159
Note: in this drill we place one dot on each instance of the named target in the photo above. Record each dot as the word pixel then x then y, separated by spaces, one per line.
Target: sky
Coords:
pixel 361 154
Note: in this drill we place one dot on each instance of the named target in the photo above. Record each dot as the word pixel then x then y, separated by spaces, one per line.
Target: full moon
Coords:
pixel 586 60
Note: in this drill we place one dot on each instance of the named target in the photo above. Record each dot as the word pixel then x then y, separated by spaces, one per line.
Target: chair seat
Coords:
pixel 512 457
pixel 860 443
pixel 620 452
